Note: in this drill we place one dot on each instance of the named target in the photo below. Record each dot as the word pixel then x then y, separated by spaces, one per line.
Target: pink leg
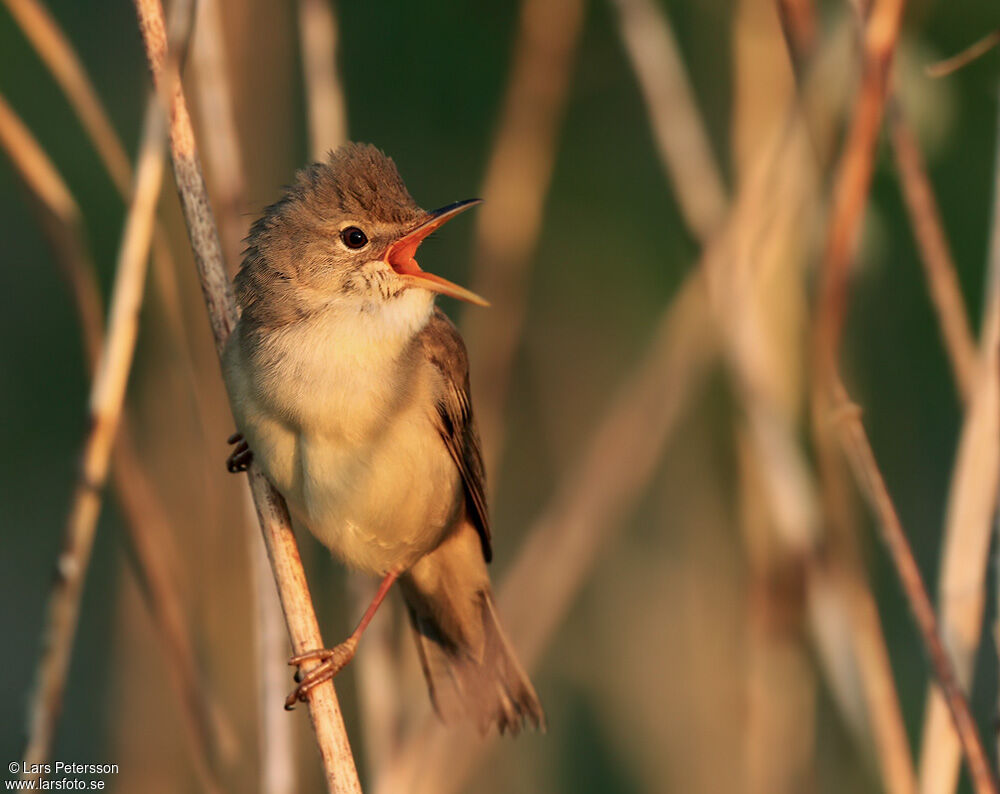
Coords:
pixel 334 659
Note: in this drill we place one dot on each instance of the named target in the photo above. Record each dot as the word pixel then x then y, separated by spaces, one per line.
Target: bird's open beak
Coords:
pixel 400 255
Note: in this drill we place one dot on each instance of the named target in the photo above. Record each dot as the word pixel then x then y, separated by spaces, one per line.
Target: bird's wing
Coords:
pixel 444 349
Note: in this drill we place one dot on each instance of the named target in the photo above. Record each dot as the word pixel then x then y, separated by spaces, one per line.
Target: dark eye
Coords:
pixel 353 237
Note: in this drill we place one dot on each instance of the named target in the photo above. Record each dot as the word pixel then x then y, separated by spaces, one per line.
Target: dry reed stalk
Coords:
pixel 965 57
pixel 516 183
pixel 843 592
pixel 580 520
pixel 853 177
pixel 779 677
pixel 57 53
pixel 836 590
pixel 223 149
pixel 968 537
pixel 275 742
pixel 577 522
pixel 293 590
pixel 594 494
pixel 278 773
pixel 678 130
pixel 326 104
pixel 61 59
pixel 375 667
pixel 66 228
pixel 862 460
pixel 883 708
pixel 972 501
pixel 935 254
pixel 830 399
pixel 829 576
pixel 146 525
pixel 59 56
pixel 106 397
pixel 779 697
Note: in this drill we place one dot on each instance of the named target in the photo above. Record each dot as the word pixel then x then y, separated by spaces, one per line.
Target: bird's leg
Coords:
pixel 241 457
pixel 334 659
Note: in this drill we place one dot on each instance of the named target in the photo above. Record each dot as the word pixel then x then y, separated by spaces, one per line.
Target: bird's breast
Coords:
pixel 346 433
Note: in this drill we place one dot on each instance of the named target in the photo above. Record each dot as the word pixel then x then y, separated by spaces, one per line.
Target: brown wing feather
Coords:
pixel 444 348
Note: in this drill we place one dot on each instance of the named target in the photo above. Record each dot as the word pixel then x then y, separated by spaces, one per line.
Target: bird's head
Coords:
pixel 345 233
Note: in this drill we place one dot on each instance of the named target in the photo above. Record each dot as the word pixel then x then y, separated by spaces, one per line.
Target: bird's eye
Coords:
pixel 353 237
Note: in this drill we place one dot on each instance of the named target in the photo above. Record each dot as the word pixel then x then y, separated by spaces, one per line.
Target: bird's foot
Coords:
pixel 241 457
pixel 332 661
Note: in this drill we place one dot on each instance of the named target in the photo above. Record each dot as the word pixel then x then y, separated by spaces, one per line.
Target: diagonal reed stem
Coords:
pixel 293 590
pixel 106 397
pixel 147 527
pixel 851 185
pixel 862 460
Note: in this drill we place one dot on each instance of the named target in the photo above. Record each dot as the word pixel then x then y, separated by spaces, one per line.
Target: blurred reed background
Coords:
pixel 683 552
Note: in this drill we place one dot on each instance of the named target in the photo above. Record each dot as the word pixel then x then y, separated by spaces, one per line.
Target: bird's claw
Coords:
pixel 241 457
pixel 332 661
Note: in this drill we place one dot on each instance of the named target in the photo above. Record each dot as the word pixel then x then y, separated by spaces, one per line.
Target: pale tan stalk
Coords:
pixel 148 529
pixel 278 773
pixel 106 397
pixel 326 104
pixel 516 183
pixel 275 742
pixel 755 269
pixel 335 750
pixel 834 587
pixel 972 501
pixel 217 117
pixel 67 232
pixel 59 56
pixel 678 130
pixel 779 746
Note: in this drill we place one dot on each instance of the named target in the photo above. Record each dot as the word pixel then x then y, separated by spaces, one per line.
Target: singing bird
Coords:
pixel 350 391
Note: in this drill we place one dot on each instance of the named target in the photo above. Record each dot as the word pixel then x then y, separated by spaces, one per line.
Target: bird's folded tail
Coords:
pixel 471 670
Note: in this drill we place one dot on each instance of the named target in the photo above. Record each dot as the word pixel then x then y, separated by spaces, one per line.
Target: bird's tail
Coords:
pixel 471 670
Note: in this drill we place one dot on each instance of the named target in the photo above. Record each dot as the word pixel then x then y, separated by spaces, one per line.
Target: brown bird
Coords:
pixel 351 393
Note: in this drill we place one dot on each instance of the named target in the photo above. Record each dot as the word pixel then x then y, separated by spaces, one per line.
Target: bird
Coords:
pixel 350 392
